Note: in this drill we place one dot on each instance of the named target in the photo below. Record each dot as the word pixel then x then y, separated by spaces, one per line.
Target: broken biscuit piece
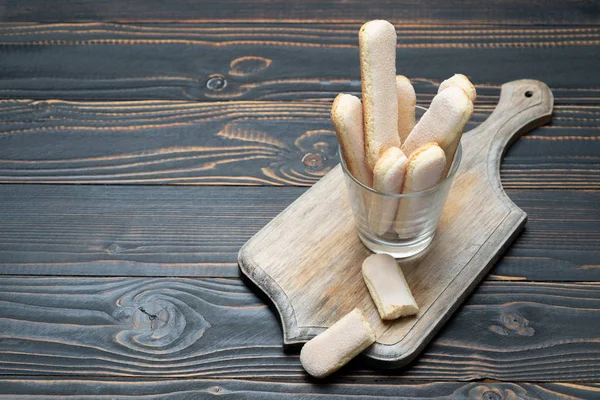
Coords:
pixel 388 287
pixel 330 350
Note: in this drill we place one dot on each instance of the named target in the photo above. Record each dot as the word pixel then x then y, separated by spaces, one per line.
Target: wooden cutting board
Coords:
pixel 308 259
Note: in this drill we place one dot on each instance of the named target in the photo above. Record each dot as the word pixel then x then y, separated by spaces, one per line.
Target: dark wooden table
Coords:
pixel 143 142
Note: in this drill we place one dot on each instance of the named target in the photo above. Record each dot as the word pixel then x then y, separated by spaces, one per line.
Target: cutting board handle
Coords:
pixel 524 105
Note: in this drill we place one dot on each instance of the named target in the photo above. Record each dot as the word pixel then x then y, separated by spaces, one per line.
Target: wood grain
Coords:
pixel 510 327
pixel 68 323
pixel 564 228
pixel 274 60
pixel 308 259
pixel 189 231
pixel 243 143
pixel 179 389
pixel 142 231
pixel 504 11
pixel 216 328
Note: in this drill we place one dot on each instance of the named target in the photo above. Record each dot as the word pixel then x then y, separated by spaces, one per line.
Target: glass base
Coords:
pixel 404 249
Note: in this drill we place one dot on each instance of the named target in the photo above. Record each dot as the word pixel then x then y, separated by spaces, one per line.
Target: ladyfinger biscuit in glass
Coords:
pixel 377 42
pixel 388 176
pixel 407 101
pixel 465 84
pixel 388 287
pixel 425 168
pixel 347 118
pixel 341 342
pixel 461 81
pixel 443 123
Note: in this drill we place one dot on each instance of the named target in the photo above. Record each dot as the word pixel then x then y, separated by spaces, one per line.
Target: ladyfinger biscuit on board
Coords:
pixel 387 177
pixel 377 40
pixel 388 287
pixel 461 81
pixel 407 101
pixel 341 342
pixel 442 123
pixel 425 168
pixel 347 118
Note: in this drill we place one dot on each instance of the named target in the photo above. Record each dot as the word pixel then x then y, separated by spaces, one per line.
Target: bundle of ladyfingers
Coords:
pixel 382 144
pixel 385 148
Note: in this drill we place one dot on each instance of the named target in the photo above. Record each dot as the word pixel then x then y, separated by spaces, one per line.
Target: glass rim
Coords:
pixel 449 177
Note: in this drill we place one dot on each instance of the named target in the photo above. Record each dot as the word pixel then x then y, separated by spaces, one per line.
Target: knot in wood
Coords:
pixel 490 395
pixel 113 248
pixel 513 321
pixel 156 319
pixel 518 325
pixel 151 317
pixel 216 82
pixel 216 390
pixel 513 324
pixel 248 65
pixel 312 160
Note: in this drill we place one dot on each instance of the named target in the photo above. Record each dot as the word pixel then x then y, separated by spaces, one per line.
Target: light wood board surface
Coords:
pixel 308 259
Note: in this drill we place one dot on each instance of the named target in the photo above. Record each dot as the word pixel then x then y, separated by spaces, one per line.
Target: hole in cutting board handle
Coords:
pixel 528 93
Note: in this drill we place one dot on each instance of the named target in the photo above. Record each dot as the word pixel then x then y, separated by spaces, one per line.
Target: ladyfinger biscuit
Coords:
pixel 347 118
pixel 388 287
pixel 341 342
pixel 461 81
pixel 443 123
pixel 407 101
pixel 388 176
pixel 377 41
pixel 425 168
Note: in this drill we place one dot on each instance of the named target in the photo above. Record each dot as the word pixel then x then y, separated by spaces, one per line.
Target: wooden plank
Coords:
pixel 564 228
pixel 505 11
pixel 187 231
pixel 138 231
pixel 243 143
pixel 180 389
pixel 216 328
pixel 276 60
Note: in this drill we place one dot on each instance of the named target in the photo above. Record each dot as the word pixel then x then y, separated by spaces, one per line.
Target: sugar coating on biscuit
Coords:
pixel 388 287
pixel 377 42
pixel 341 342
pixel 461 81
pixel 388 177
pixel 425 168
pixel 347 118
pixel 442 123
pixel 389 171
pixel 407 101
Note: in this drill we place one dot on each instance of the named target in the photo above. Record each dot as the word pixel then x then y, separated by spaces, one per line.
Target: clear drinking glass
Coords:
pixel 401 225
